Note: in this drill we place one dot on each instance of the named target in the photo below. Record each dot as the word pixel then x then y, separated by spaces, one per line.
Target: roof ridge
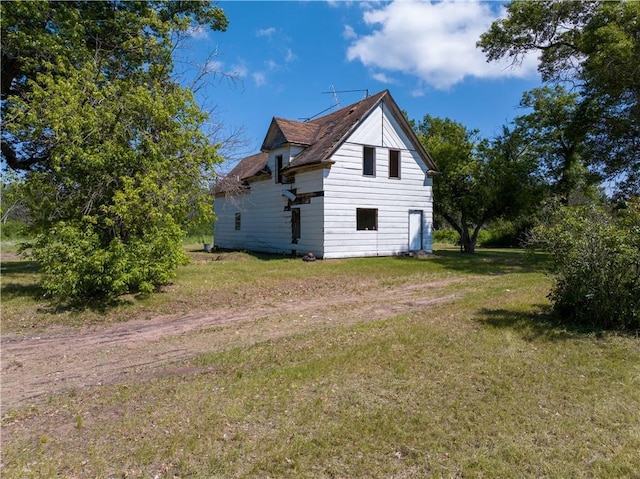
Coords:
pixel 378 96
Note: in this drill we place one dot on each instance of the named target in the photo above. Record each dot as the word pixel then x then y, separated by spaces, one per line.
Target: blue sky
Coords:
pixel 283 55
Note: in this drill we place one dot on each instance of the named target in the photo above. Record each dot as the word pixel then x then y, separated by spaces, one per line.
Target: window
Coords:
pixel 369 161
pixel 367 219
pixel 295 224
pixel 394 164
pixel 279 166
pixel 237 221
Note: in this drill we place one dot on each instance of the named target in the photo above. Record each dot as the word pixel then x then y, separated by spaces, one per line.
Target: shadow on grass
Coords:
pixel 17 290
pixel 9 268
pixel 539 324
pixel 221 254
pixel 15 281
pixel 492 261
pixel 96 306
pixel 15 286
pixel 34 292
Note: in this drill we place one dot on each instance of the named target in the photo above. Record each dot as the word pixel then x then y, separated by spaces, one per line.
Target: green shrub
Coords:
pixel 596 263
pixel 200 233
pixel 446 236
pixel 500 234
pixel 13 229
pixel 77 266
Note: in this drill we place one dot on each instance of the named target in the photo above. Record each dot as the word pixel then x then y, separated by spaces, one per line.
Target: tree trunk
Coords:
pixel 467 243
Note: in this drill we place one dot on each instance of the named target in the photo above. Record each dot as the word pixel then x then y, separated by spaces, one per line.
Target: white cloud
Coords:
pixel 199 32
pixel 213 66
pixel 240 69
pixel 259 78
pixel 383 78
pixel 435 42
pixel 290 56
pixel 349 33
pixel 266 32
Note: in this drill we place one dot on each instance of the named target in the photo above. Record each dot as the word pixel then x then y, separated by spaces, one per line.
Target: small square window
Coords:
pixel 238 221
pixel 367 219
pixel 369 161
pixel 394 164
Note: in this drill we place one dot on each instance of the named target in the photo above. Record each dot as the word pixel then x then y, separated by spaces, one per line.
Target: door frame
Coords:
pixel 420 233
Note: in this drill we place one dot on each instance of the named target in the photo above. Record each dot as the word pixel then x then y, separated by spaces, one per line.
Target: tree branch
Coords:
pixel 9 155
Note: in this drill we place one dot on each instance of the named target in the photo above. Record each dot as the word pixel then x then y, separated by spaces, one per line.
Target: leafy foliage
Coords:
pixel 595 47
pixel 77 266
pixel 596 263
pixel 116 161
pixel 554 130
pixel 479 181
pixel 13 209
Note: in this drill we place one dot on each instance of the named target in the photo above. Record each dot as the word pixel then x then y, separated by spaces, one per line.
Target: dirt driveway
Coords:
pixel 64 359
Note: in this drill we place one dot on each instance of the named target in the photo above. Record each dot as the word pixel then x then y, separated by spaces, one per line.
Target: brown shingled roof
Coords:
pixel 283 131
pixel 333 128
pixel 248 167
pixel 320 136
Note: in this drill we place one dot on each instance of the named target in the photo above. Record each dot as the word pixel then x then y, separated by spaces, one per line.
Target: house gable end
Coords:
pixel 274 137
pixel 288 132
pixel 389 107
pixel 403 123
pixel 319 139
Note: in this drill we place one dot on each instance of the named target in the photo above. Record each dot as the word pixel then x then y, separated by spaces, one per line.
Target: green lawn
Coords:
pixel 482 385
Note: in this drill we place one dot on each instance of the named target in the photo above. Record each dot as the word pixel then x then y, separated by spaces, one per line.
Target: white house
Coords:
pixel 356 182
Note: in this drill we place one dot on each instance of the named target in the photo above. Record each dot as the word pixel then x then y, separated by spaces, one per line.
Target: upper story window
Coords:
pixel 369 161
pixel 394 164
pixel 279 166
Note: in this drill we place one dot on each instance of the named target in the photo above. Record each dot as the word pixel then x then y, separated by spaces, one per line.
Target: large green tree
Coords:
pixel 111 145
pixel 554 131
pixel 478 181
pixel 595 46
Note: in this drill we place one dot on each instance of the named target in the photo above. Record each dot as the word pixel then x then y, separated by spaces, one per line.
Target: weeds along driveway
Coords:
pixel 64 359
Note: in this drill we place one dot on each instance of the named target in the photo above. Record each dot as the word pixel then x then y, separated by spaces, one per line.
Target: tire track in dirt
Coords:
pixel 63 359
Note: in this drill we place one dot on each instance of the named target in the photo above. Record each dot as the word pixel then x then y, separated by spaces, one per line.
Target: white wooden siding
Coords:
pixel 311 215
pixel 265 224
pixel 346 189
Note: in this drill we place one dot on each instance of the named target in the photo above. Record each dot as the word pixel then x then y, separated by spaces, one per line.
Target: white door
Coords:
pixel 415 230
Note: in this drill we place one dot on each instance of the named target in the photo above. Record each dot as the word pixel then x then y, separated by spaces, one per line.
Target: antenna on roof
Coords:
pixel 336 100
pixel 366 90
pixel 317 114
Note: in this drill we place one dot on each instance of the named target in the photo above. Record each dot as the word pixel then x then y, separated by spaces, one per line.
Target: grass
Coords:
pixel 487 385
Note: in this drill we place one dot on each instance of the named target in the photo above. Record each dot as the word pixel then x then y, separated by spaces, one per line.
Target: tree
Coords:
pixel 555 132
pixel 112 147
pixel 122 39
pixel 478 181
pixel 595 47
